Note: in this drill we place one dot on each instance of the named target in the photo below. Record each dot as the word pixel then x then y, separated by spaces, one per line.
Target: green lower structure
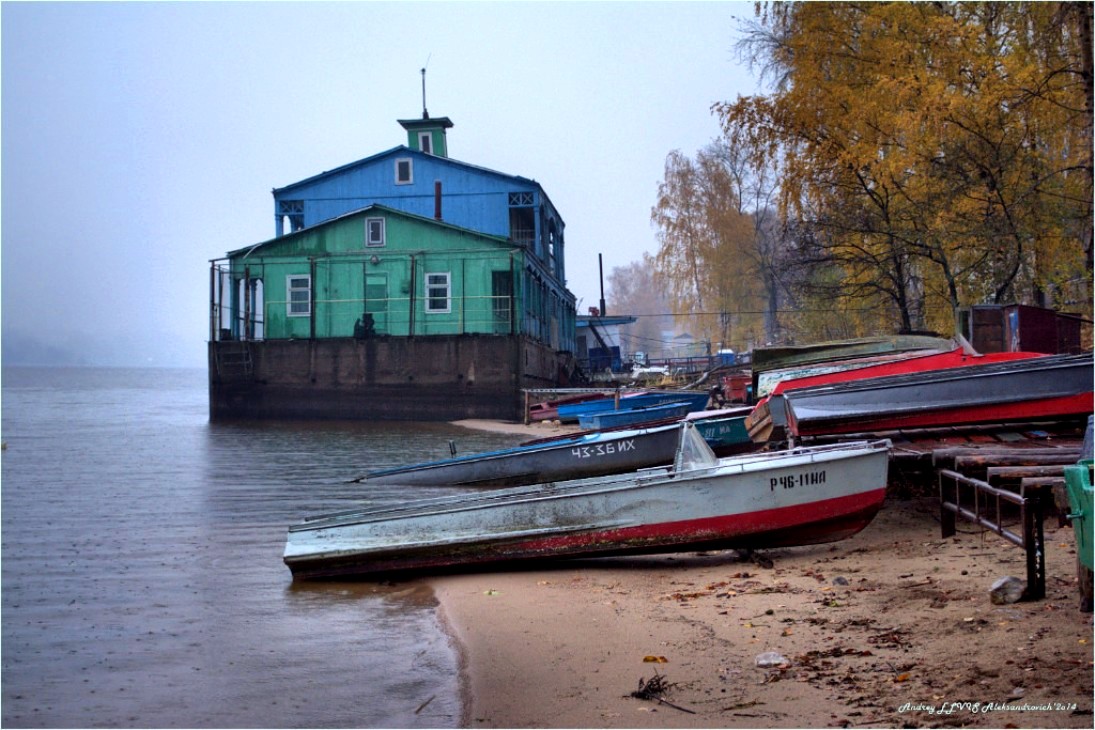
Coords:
pixel 1078 482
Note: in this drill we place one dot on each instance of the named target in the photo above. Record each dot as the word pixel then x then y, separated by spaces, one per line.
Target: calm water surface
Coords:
pixel 142 582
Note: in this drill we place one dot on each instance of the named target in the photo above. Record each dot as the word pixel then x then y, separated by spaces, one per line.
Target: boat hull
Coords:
pixel 725 436
pixel 633 416
pixel 799 497
pixel 581 457
pixel 1023 390
pixel 574 412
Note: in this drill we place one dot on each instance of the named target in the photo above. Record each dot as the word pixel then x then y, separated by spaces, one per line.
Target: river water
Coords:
pixel 142 581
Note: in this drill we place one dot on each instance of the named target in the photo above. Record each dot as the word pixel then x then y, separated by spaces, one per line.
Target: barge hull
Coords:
pixel 436 378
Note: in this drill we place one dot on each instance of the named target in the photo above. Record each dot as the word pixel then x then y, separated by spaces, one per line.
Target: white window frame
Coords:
pixel 427 139
pixel 410 171
pixel 369 241
pixel 435 281
pixel 292 286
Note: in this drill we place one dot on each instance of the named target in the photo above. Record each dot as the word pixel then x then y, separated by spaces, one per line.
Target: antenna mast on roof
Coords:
pixel 425 114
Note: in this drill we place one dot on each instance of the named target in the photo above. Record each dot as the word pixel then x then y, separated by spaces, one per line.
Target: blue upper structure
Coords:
pixel 419 178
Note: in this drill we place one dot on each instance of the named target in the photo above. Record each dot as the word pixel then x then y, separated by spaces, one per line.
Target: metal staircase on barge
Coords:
pixel 233 361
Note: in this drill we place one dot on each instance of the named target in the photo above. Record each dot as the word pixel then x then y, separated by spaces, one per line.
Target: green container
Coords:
pixel 1078 482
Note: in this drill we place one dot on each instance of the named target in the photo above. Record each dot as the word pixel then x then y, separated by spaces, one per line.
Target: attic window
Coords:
pixel 425 142
pixel 404 171
pixel 374 232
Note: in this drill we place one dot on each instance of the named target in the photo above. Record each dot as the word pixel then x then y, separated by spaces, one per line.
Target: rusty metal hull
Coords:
pixel 797 497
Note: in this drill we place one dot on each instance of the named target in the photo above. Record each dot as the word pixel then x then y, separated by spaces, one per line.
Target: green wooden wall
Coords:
pixel 398 283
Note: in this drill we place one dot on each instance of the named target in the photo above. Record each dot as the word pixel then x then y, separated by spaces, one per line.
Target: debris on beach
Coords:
pixel 655 689
pixel 772 659
pixel 1008 589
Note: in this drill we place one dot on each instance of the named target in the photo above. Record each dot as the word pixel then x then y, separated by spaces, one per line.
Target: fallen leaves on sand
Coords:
pixel 651 659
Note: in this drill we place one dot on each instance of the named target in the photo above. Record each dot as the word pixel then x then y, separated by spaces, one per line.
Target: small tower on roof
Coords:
pixel 425 134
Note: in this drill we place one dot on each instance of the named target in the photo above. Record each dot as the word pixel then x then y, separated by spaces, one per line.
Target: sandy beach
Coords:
pixel 890 628
pixel 541 429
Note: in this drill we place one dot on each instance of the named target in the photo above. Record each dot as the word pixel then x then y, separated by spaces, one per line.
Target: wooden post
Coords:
pixel 946 516
pixel 247 303
pixel 312 296
pixel 410 301
pixel 1034 543
pixel 213 301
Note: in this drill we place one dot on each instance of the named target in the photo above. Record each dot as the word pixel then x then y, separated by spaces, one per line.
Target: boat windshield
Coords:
pixel 692 451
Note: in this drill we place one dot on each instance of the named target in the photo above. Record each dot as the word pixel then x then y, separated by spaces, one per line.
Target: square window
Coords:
pixel 404 171
pixel 438 291
pixel 299 296
pixel 374 231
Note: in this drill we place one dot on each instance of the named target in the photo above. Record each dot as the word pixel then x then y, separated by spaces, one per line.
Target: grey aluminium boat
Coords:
pixel 797 497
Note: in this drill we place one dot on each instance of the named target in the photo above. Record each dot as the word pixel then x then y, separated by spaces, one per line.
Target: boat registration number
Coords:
pixel 802 479
pixel 586 452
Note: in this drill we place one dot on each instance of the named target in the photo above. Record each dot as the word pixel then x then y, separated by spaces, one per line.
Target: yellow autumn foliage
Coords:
pixel 940 153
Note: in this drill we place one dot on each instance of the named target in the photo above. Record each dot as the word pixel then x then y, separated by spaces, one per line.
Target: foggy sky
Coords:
pixel 142 140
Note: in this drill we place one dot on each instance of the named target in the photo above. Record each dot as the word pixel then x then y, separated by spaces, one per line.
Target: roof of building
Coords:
pixel 248 250
pixel 584 320
pixel 404 150
pixel 443 122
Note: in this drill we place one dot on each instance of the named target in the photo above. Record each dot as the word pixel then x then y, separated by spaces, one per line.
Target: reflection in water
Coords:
pixel 142 575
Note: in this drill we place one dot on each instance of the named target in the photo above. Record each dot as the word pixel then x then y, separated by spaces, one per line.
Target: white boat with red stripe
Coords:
pixel 796 497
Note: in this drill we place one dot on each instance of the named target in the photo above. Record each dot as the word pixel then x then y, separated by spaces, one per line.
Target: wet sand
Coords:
pixel 890 628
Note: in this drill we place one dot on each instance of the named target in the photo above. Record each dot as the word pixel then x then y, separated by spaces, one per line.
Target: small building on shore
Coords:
pixel 404 286
pixel 599 339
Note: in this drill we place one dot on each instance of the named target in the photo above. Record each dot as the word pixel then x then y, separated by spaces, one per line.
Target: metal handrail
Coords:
pixel 1031 514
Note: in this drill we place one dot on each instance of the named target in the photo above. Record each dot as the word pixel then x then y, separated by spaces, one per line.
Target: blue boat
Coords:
pixel 574 411
pixel 724 430
pixel 631 416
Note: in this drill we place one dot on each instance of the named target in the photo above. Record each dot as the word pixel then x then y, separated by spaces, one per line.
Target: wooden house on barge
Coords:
pixel 404 286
